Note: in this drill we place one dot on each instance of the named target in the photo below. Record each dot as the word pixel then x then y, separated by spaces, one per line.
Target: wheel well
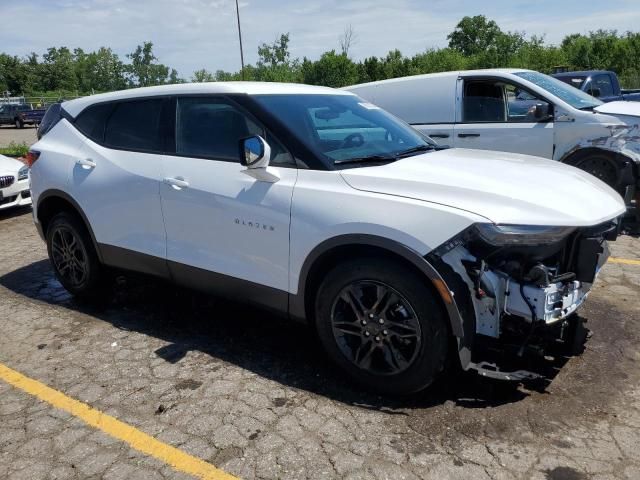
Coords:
pixel 627 167
pixel 325 262
pixel 52 205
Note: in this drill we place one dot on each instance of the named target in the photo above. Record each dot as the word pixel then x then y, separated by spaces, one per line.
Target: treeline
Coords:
pixel 476 42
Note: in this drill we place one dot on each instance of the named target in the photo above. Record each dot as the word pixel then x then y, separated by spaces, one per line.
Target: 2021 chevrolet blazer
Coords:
pixel 317 204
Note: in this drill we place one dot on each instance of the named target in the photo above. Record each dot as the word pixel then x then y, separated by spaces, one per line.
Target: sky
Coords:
pixel 192 34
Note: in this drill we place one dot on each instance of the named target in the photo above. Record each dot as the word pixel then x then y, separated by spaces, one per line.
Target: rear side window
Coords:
pixel 51 117
pixel 91 122
pixel 135 125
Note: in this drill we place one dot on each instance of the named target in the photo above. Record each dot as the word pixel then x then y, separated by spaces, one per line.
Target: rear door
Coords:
pixel 116 179
pixel 499 115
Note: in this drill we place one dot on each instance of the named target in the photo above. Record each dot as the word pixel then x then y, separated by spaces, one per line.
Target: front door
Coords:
pixel 223 226
pixel 495 115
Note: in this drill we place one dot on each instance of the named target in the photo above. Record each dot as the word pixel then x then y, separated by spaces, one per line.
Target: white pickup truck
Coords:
pixel 519 111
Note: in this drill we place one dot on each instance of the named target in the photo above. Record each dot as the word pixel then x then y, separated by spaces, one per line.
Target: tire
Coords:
pixel 73 257
pixel 602 167
pixel 18 123
pixel 366 345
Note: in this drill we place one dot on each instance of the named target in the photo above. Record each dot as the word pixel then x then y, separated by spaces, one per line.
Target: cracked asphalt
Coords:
pixel 254 396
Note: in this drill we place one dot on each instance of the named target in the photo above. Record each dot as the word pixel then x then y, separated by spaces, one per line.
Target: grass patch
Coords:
pixel 15 149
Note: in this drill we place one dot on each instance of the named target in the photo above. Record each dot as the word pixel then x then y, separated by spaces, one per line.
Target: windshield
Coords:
pixel 569 94
pixel 343 130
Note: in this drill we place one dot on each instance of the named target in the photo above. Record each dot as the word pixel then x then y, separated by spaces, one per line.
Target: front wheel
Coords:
pixel 382 325
pixel 73 257
pixel 602 167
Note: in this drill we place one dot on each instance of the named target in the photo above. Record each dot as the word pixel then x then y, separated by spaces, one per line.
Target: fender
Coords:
pixel 297 302
pixel 68 198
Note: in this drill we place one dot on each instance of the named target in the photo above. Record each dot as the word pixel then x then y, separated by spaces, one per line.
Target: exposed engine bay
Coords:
pixel 522 290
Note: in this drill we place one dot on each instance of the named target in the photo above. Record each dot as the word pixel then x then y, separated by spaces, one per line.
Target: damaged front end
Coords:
pixel 518 288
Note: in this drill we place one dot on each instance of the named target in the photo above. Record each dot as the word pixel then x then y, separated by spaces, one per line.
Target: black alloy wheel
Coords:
pixel 383 324
pixel 73 256
pixel 375 327
pixel 69 256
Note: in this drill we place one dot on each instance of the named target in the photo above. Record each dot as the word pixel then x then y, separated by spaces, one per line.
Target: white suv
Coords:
pixel 323 207
pixel 14 183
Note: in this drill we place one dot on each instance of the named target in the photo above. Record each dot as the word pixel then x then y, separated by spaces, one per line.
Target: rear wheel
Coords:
pixel 19 123
pixel 73 256
pixel 382 325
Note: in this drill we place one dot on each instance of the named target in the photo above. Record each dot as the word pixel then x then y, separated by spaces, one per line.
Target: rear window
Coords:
pixel 135 125
pixel 92 121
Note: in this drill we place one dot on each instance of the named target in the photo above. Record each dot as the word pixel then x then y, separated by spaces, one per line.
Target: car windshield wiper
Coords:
pixel 368 158
pixel 419 148
pixel 387 158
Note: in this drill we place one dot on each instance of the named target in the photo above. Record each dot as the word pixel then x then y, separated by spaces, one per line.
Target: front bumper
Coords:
pixel 15 195
pixel 515 312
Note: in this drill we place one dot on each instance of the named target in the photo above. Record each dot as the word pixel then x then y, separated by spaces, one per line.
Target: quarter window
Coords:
pixel 91 121
pixel 135 125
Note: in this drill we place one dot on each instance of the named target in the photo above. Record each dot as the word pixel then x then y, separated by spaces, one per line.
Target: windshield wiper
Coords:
pixel 388 158
pixel 419 148
pixel 369 158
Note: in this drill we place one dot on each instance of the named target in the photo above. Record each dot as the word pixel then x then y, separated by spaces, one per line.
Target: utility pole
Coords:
pixel 240 37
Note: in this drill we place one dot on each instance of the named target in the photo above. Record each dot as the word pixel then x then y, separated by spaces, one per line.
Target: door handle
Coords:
pixel 86 163
pixel 468 135
pixel 177 183
pixel 438 135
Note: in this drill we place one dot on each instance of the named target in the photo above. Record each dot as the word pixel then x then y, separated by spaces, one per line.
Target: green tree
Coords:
pixel 144 71
pixel 474 35
pixel 332 70
pixel 203 75
pixel 57 70
pixel 274 62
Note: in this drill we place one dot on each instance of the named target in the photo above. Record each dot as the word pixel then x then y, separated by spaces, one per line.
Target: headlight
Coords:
pixel 502 235
pixel 23 173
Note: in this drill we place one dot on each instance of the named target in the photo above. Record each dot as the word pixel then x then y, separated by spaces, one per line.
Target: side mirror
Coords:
pixel 541 111
pixel 595 92
pixel 254 152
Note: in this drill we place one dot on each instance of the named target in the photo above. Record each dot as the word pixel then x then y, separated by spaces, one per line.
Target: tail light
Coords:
pixel 31 157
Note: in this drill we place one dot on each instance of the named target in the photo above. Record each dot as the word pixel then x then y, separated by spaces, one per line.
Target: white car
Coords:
pixel 318 205
pixel 14 183
pixel 520 111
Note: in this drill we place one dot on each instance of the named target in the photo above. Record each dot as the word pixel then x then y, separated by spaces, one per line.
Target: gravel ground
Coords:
pixel 9 133
pixel 254 396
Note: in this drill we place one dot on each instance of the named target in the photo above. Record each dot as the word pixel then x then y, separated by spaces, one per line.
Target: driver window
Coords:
pixel 524 107
pixel 213 128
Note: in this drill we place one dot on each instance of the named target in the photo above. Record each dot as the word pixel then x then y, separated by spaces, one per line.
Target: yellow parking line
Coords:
pixel 626 261
pixel 136 439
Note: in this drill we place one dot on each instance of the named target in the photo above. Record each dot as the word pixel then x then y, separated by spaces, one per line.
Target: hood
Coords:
pixel 502 187
pixel 620 108
pixel 9 165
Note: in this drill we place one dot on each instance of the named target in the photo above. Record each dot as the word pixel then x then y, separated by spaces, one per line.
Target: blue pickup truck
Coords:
pixel 601 84
pixel 20 114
